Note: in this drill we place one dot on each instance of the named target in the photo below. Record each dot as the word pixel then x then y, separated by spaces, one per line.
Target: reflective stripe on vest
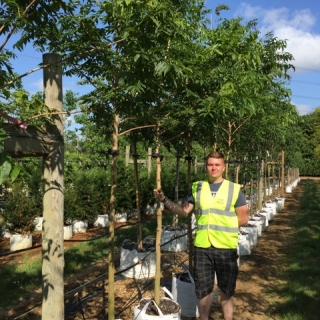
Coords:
pixel 216 217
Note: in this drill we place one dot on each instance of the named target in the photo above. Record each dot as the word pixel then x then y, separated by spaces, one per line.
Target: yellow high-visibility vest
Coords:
pixel 216 217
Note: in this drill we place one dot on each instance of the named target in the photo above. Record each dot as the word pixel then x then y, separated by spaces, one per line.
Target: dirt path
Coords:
pixel 258 272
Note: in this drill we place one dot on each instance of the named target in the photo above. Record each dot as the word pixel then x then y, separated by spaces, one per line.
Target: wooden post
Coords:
pixel 53 199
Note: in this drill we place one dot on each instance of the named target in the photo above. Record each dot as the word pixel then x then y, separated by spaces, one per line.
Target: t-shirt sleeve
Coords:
pixel 241 200
pixel 189 198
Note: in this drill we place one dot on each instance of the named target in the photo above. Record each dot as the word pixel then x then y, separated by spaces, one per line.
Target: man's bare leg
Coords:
pixel 205 306
pixel 227 306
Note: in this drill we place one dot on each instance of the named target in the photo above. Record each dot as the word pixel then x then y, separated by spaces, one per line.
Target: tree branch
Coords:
pixel 137 128
pixel 46 65
pixel 15 27
pixel 178 135
pixel 240 125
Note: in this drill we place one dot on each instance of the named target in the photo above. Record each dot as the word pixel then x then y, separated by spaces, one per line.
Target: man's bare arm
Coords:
pixel 243 214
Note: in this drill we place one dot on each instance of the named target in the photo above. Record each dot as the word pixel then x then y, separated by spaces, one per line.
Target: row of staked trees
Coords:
pixel 159 75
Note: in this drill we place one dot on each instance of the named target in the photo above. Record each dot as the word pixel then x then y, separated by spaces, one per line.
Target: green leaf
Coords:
pixel 15 172
pixel 3 135
pixel 162 68
pixel 5 169
pixel 136 57
pixel 6 93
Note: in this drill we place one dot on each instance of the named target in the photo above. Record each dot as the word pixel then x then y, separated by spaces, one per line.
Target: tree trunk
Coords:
pixel 260 186
pixel 251 195
pixel 237 169
pixel 159 225
pixel 53 199
pixel 190 215
pixel 114 152
pixel 175 217
pixel 282 173
pixel 136 182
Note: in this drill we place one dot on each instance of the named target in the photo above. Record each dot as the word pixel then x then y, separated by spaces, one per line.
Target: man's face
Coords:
pixel 215 169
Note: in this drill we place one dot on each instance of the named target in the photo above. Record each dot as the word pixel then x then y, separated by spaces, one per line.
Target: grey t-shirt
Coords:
pixel 214 187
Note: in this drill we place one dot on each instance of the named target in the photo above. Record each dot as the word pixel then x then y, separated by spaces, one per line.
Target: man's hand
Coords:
pixel 158 194
pixel 181 210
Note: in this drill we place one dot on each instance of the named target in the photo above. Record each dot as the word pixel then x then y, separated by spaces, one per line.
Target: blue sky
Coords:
pixel 298 22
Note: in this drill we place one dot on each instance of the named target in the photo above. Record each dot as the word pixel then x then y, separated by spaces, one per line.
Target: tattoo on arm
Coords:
pixel 174 208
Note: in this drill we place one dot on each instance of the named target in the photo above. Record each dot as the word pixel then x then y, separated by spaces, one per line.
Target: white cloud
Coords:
pixel 38 84
pixel 296 27
pixel 303 109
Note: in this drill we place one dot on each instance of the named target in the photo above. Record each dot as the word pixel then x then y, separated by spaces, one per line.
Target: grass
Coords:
pixel 300 269
pixel 19 280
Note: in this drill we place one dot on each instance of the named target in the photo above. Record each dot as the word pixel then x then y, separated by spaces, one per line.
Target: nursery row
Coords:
pixel 141 264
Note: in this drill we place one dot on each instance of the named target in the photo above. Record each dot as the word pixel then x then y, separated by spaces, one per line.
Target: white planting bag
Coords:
pixel 183 291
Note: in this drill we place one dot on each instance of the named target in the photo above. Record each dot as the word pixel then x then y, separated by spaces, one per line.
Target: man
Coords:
pixel 220 208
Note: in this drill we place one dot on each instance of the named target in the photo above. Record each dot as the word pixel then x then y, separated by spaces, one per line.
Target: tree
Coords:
pixel 123 48
pixel 302 144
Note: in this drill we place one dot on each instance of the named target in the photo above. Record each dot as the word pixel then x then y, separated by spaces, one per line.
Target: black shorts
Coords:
pixel 207 262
